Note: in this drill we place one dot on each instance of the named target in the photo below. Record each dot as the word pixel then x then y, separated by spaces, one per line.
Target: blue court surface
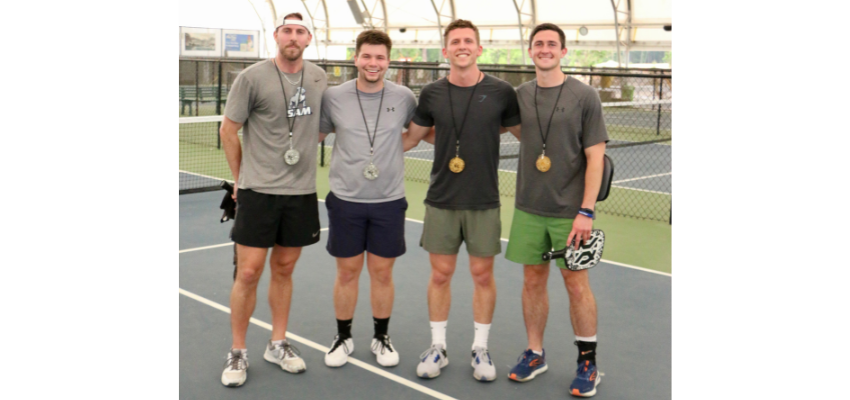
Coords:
pixel 634 308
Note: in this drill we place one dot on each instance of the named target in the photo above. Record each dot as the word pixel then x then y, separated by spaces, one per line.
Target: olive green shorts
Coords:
pixel 445 230
pixel 532 235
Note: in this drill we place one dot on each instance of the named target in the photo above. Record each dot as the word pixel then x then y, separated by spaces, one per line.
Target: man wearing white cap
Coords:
pixel 276 103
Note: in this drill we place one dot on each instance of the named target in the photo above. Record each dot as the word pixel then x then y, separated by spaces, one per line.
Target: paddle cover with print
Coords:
pixel 587 255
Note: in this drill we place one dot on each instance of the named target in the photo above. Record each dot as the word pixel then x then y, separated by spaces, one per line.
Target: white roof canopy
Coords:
pixel 635 25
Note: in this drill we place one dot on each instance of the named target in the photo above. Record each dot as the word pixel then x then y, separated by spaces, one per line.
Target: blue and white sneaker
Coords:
pixel 432 360
pixel 587 378
pixel 484 371
pixel 528 366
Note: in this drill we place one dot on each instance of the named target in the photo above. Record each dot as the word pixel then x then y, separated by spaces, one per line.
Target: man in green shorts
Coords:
pixel 561 155
pixel 467 109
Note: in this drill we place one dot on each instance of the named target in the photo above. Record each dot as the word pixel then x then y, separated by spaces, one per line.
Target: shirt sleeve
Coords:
pixel 593 129
pixel 411 107
pixel 422 116
pixel 510 115
pixel 240 100
pixel 326 124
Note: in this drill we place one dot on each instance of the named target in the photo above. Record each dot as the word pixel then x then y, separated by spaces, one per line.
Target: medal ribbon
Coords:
pixel 551 117
pixel 286 99
pixel 465 114
pixel 371 137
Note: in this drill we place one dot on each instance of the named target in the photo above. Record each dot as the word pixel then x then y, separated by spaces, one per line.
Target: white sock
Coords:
pixel 274 342
pixel 586 339
pixel 438 333
pixel 482 332
pixel 539 353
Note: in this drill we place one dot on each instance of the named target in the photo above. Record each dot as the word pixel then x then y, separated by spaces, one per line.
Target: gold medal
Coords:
pixel 456 164
pixel 543 163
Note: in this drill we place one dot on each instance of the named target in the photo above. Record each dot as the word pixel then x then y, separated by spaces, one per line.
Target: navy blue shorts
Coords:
pixel 357 227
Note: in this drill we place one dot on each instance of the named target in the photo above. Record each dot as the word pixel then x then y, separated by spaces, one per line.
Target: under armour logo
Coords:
pixel 483 96
pixel 390 109
pixel 561 109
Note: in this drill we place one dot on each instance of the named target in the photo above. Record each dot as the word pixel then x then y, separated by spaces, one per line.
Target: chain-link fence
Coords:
pixel 637 107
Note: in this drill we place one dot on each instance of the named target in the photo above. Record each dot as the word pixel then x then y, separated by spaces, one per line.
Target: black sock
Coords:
pixel 586 351
pixel 381 326
pixel 343 326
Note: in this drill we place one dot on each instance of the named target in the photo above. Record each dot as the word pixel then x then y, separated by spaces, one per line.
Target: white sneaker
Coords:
pixel 484 368
pixel 340 349
pixel 286 355
pixel 433 360
pixel 235 369
pixel 383 348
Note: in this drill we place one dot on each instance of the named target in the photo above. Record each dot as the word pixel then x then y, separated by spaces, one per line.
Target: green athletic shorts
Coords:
pixel 445 230
pixel 532 235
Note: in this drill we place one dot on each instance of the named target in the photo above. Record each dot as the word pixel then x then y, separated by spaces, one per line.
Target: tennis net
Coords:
pixel 202 162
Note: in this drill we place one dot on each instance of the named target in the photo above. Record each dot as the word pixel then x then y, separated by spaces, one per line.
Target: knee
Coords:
pixel 577 288
pixel 382 277
pixel 440 278
pixel 483 278
pixel 536 277
pixel 247 275
pixel 347 276
pixel 283 269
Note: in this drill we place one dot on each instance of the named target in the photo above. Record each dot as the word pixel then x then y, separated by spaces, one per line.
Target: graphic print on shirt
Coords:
pixel 298 104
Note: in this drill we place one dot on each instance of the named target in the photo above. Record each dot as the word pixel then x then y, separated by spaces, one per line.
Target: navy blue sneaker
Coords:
pixel 528 366
pixel 587 377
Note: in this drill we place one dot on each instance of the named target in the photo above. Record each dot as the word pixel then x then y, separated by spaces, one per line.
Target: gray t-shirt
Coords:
pixel 256 100
pixel 577 124
pixel 494 105
pixel 341 114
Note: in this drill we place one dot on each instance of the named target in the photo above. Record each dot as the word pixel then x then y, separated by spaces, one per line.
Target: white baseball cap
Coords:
pixel 305 24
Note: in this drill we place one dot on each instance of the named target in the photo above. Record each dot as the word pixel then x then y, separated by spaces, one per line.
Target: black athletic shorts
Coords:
pixel 263 220
pixel 357 227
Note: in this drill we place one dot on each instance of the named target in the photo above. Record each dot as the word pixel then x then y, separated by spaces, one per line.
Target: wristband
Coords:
pixel 586 212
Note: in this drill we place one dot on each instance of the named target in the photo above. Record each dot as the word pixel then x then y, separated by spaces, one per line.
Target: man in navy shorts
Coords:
pixel 366 204
pixel 276 102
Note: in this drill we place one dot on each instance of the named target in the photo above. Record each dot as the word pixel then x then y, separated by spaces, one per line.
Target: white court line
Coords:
pixel 641 190
pixel 220 245
pixel 643 177
pixel 209 118
pixel 504 240
pixel 323 349
pixel 205 176
pixel 207 247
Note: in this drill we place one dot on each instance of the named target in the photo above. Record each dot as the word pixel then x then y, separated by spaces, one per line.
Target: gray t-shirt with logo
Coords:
pixel 341 114
pixel 256 99
pixel 494 105
pixel 577 124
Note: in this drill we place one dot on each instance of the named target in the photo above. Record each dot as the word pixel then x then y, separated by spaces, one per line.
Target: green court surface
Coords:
pixel 632 241
pixel 641 243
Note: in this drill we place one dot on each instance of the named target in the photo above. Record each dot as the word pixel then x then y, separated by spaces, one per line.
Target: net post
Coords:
pixel 660 97
pixel 322 160
pixel 218 105
pixel 671 207
pixel 197 89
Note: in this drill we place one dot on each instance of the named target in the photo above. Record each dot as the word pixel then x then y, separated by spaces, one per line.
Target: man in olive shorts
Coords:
pixel 560 171
pixel 462 205
pixel 277 102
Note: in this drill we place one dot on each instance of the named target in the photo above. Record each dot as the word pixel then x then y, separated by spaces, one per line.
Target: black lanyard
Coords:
pixel 381 105
pixel 551 117
pixel 286 99
pixel 468 104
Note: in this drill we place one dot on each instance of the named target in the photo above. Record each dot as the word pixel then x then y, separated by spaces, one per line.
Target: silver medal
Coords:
pixel 370 172
pixel 291 156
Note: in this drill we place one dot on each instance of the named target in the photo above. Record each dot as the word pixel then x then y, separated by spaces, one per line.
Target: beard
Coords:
pixel 291 53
